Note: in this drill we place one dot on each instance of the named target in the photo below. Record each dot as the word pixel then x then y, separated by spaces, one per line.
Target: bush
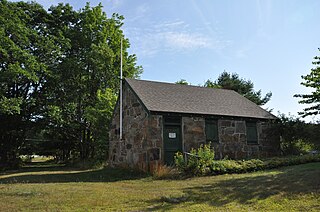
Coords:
pixel 297 136
pixel 201 162
pixel 292 160
pixel 296 147
pixel 233 166
pixel 197 162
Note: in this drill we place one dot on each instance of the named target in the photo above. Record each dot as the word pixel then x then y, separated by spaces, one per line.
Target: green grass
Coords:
pixel 59 188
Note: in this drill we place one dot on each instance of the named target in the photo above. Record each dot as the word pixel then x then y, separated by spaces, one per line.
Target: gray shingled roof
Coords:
pixel 168 97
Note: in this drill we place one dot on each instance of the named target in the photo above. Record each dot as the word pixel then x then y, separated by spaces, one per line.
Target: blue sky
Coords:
pixel 272 43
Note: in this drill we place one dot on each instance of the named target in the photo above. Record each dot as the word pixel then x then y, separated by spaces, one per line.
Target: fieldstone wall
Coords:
pixel 193 132
pixel 142 135
pixel 232 138
pixel 232 134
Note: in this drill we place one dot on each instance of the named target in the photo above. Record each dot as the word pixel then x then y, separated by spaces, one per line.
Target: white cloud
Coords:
pixel 174 36
pixel 180 40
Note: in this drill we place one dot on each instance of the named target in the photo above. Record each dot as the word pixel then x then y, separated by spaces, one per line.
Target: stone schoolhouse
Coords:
pixel 160 119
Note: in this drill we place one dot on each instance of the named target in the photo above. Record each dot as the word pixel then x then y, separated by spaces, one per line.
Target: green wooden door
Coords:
pixel 172 143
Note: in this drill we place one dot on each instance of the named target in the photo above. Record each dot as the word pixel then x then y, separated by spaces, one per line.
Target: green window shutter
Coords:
pixel 252 134
pixel 212 130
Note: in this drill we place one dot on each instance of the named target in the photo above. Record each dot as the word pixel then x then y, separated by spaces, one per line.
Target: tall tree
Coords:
pixel 59 73
pixel 240 85
pixel 311 80
pixel 87 75
pixel 26 52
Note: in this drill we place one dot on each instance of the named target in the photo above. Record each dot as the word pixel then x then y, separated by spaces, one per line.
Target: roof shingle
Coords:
pixel 168 97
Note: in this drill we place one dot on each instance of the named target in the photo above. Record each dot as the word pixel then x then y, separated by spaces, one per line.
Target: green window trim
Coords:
pixel 211 130
pixel 252 132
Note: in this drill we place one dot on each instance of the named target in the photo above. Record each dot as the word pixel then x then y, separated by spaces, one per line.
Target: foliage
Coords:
pixel 27 51
pixel 232 166
pixel 311 80
pixel 202 162
pixel 59 79
pixel 297 147
pixel 234 82
pixel 88 77
pixel 240 85
pixel 242 166
pixel 198 161
pixel 297 137
pixel 182 82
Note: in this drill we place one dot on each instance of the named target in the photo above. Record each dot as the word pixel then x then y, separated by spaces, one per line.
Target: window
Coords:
pixel 212 130
pixel 252 134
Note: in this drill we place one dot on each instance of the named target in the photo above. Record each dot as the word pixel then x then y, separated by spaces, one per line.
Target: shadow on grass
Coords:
pixel 58 173
pixel 301 179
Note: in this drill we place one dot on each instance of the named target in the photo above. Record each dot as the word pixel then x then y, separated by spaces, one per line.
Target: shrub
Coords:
pixel 197 162
pixel 252 165
pixel 201 162
pixel 233 166
pixel 225 166
pixel 296 147
pixel 292 160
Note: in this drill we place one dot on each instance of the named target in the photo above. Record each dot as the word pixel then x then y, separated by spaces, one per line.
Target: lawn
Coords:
pixel 59 188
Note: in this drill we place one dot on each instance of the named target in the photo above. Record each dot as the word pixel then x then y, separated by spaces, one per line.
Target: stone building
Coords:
pixel 160 119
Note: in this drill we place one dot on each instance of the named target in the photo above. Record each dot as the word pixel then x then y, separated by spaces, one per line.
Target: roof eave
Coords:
pixel 217 115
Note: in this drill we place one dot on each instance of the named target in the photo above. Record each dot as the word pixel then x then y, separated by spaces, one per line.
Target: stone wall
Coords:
pixel 232 138
pixel 193 132
pixel 142 135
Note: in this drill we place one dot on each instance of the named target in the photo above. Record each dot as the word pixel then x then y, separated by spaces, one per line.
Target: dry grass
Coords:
pixel 165 172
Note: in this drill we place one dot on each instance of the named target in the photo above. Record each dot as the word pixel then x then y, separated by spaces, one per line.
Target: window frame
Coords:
pixel 213 122
pixel 253 126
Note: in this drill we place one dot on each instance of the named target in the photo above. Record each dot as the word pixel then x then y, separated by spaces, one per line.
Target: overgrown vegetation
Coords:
pixel 201 162
pixel 198 161
pixel 59 79
pixel 297 136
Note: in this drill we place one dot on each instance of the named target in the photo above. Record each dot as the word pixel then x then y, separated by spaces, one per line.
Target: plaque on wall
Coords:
pixel 172 135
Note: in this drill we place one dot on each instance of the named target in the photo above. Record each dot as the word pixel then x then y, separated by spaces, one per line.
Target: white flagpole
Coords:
pixel 121 91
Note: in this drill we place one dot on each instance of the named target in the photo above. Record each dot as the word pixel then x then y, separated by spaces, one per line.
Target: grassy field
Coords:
pixel 58 188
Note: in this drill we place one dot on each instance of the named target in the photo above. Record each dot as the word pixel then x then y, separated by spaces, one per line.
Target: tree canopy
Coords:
pixel 182 82
pixel 240 85
pixel 311 80
pixel 234 82
pixel 59 77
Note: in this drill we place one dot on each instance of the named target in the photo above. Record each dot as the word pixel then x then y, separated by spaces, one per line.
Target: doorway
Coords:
pixel 172 141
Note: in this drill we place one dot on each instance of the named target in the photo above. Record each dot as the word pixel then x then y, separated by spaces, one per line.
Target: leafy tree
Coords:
pixel 100 118
pixel 240 85
pixel 87 75
pixel 59 78
pixel 311 80
pixel 297 136
pixel 26 53
pixel 182 82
